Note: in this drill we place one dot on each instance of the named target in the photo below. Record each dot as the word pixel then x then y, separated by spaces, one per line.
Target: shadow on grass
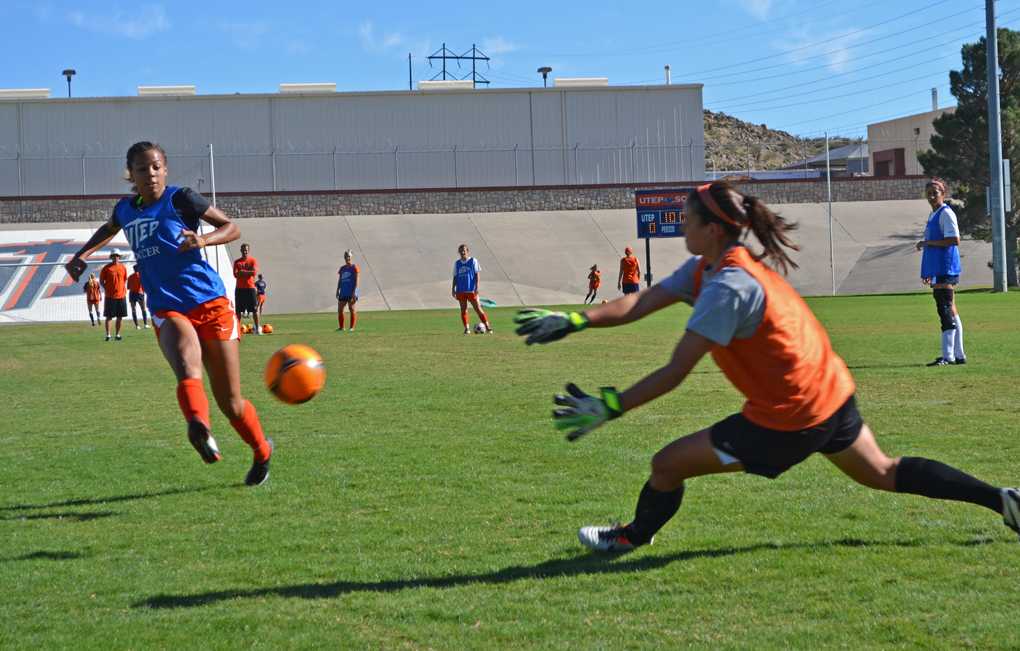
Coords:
pixel 45 556
pixel 581 564
pixel 116 498
pixel 858 367
pixel 75 517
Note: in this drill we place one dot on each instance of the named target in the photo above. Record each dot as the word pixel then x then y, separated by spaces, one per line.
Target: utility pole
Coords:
pixel 995 195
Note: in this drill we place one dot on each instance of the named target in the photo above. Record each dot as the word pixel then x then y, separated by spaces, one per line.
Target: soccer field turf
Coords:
pixel 424 499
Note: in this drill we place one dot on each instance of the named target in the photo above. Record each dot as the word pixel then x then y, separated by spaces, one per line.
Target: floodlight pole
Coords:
pixel 68 73
pixel 828 184
pixel 995 197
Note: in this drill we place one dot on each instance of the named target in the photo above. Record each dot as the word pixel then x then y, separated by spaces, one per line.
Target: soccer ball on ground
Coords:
pixel 479 328
pixel 295 373
pixel 267 329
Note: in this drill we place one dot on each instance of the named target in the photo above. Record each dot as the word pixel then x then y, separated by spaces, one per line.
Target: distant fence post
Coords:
pixel 272 155
pixel 334 167
pixel 633 161
pixel 455 181
pixel 577 172
pixel 517 180
pixel 21 182
pixel 83 193
pixel 396 168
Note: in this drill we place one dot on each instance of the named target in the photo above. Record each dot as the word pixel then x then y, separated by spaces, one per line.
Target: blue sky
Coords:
pixel 801 65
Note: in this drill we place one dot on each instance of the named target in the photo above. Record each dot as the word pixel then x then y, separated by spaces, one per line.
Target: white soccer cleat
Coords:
pixel 1011 508
pixel 606 539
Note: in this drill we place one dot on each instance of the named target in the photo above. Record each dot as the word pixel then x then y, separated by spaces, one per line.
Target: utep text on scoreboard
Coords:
pixel 661 213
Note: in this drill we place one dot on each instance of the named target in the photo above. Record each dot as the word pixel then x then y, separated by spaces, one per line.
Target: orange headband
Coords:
pixel 713 207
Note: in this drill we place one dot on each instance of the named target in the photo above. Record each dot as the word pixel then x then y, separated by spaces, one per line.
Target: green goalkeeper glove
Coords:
pixel 544 326
pixel 581 413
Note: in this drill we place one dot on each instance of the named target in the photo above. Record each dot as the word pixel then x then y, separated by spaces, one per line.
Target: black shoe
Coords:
pixel 259 472
pixel 203 442
pixel 938 362
pixel 960 360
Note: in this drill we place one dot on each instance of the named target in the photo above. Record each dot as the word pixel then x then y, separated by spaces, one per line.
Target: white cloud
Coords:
pixel 803 46
pixel 147 20
pixel 246 36
pixel 758 8
pixel 497 45
pixel 378 42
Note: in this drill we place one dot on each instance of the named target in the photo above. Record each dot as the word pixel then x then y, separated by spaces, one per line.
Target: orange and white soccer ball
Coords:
pixel 267 329
pixel 295 373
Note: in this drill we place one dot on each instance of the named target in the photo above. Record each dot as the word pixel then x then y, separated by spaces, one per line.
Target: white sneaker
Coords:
pixel 138 327
pixel 1011 508
pixel 467 331
pixel 606 539
pixel 146 326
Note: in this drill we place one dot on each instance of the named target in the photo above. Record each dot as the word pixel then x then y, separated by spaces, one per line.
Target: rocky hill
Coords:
pixel 732 144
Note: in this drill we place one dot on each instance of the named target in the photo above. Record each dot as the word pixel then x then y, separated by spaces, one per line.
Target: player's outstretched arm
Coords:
pixel 77 265
pixel 581 413
pixel 544 326
pixel 226 231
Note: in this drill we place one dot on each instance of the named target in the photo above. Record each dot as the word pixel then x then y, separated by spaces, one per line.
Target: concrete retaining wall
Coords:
pixel 38 210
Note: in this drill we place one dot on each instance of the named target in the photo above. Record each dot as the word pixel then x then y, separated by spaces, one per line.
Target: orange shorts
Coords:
pixel 262 299
pixel 212 320
pixel 467 296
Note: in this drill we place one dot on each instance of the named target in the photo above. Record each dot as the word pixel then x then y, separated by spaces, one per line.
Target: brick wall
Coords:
pixel 395 202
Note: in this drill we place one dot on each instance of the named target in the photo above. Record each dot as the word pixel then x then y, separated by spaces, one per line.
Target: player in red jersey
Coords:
pixel 113 278
pixel 93 294
pixel 193 320
pixel 245 295
pixel 136 297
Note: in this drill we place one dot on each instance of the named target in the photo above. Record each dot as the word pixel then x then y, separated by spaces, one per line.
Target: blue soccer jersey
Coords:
pixel 465 275
pixel 173 280
pixel 941 260
pixel 346 285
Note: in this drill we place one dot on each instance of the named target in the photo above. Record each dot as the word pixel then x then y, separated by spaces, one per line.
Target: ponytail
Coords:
pixel 734 212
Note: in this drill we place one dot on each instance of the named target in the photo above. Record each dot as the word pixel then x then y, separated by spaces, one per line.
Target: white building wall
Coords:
pixel 380 140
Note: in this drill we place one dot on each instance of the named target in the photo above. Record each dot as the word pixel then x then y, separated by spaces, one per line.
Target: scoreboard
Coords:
pixel 661 213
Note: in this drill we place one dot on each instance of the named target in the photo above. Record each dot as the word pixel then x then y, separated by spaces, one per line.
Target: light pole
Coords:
pixel 68 73
pixel 544 71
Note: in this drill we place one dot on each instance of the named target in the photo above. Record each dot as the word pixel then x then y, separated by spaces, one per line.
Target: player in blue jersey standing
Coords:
pixel 940 268
pixel 347 291
pixel 465 288
pixel 194 321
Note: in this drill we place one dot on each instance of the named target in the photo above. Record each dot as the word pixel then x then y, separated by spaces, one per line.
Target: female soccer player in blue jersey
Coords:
pixel 347 290
pixel 940 268
pixel 194 320
pixel 466 271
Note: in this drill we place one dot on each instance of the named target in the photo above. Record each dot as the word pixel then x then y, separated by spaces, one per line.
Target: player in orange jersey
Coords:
pixel 245 295
pixel 192 317
pixel 113 278
pixel 594 281
pixel 93 294
pixel 629 280
pixel 768 344
pixel 136 296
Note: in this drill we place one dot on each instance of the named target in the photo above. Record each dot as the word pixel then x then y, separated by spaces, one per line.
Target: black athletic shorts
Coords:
pixel 135 297
pixel 631 288
pixel 114 307
pixel 769 453
pixel 246 300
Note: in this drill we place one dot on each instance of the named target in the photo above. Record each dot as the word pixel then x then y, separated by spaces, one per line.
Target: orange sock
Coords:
pixel 250 429
pixel 191 397
pixel 354 319
pixel 340 319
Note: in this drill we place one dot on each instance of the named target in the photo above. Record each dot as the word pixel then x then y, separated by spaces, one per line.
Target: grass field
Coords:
pixel 423 500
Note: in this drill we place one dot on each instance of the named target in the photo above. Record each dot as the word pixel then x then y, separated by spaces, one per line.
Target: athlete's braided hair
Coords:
pixel 739 212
